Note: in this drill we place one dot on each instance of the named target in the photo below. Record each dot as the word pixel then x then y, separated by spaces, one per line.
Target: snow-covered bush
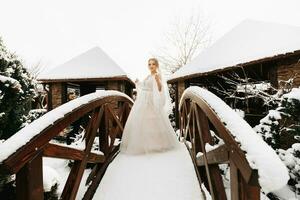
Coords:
pixel 281 130
pixel 17 89
pixel 291 158
pixel 172 90
pixel 33 115
pixel 16 92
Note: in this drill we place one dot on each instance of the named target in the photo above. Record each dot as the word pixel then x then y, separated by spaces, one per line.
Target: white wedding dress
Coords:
pixel 148 128
pixel 138 172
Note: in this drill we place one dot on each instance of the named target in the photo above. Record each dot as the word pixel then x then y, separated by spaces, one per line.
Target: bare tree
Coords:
pixel 36 69
pixel 186 37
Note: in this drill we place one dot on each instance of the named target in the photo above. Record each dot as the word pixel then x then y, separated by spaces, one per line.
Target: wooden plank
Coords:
pixel 215 156
pixel 86 134
pixel 187 128
pixel 215 181
pixel 196 168
pixel 250 175
pixel 29 180
pixel 197 140
pixel 234 182
pixel 74 179
pixel 66 194
pixel 97 178
pixel 104 140
pixel 113 133
pixel 57 151
pixel 114 117
pixel 203 129
pixel 248 192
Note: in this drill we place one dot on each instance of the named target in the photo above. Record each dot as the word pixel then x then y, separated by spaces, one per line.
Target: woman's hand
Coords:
pixel 158 81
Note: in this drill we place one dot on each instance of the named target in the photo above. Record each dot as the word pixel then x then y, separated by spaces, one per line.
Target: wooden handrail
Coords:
pixel 197 120
pixel 108 111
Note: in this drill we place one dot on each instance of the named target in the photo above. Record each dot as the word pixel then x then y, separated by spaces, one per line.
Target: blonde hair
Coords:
pixel 154 60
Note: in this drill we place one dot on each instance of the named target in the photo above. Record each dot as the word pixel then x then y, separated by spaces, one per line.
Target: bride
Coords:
pixel 148 128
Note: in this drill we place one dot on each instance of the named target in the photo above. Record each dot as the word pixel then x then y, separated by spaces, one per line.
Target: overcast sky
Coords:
pixel 54 31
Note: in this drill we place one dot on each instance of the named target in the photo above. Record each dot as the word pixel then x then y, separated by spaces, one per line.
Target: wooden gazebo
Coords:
pixel 260 51
pixel 84 74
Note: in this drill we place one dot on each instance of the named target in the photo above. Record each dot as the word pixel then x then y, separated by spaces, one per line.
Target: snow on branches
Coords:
pixel 16 92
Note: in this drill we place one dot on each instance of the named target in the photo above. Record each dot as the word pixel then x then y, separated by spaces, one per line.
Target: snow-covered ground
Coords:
pixel 56 171
pixel 167 175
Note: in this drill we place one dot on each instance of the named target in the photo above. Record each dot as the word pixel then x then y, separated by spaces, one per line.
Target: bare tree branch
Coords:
pixel 185 39
pixel 36 69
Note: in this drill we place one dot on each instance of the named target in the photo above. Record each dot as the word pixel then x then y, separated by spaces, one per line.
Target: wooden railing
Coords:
pixel 107 113
pixel 200 126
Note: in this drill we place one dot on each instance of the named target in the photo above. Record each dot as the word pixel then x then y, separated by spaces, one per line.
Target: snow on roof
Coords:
pixel 94 63
pixel 249 41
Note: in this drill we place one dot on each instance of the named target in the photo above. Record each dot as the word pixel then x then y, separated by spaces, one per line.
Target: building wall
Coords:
pixel 180 89
pixel 57 91
pixel 286 72
pixel 113 85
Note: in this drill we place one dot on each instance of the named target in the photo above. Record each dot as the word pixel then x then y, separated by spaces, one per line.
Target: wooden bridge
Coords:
pixel 107 111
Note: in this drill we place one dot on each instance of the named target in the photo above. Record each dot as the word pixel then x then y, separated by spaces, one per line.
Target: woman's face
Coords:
pixel 152 66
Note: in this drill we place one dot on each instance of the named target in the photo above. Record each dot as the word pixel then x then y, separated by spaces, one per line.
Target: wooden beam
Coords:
pixel 215 156
pixel 98 176
pixel 57 151
pixel 72 185
pixel 217 189
pixel 234 182
pixel 29 180
pixel 204 133
pixel 114 117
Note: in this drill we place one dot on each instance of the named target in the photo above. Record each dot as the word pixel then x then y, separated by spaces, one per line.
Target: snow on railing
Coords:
pixel 272 172
pixel 24 135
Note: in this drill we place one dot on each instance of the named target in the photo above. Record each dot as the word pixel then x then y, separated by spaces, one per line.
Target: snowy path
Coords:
pixel 168 175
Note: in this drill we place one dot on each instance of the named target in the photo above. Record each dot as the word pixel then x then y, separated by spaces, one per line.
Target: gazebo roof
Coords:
pixel 93 64
pixel 249 42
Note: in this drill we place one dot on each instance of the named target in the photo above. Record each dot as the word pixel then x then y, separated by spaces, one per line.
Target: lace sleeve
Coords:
pixel 165 95
pixel 138 87
pixel 161 99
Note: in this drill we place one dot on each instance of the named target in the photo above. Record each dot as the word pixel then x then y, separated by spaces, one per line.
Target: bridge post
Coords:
pixel 240 189
pixel 234 181
pixel 29 180
pixel 249 192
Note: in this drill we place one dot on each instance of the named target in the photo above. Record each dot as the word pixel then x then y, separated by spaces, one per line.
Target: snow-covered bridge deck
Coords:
pixel 159 176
